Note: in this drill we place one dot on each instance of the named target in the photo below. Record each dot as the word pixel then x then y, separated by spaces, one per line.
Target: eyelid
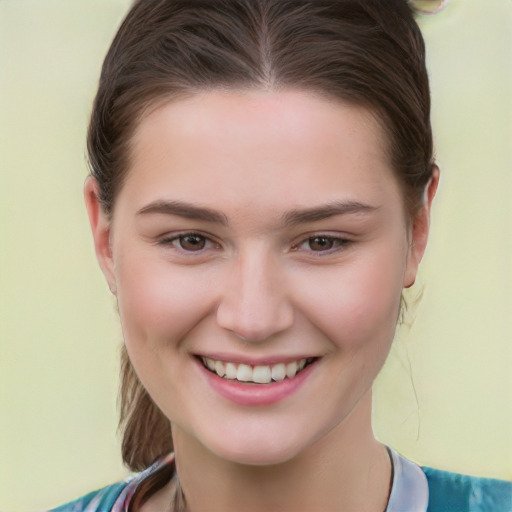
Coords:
pixel 169 239
pixel 343 242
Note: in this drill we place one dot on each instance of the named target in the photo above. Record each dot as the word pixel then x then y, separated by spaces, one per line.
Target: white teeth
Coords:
pixel 278 372
pixel 244 373
pixel 219 368
pixel 231 371
pixel 291 369
pixel 262 374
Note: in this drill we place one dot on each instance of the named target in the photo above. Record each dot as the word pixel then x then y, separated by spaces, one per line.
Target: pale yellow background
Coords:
pixel 445 396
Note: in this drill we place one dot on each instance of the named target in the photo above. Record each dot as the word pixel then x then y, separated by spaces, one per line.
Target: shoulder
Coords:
pixel 450 492
pixel 120 496
pixel 101 500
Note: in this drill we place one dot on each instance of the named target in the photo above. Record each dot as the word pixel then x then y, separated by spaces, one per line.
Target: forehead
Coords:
pixel 258 146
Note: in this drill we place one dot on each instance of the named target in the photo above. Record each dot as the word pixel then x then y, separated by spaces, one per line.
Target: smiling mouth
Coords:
pixel 260 374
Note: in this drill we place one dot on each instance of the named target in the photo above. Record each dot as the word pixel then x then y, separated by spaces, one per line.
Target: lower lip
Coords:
pixel 256 394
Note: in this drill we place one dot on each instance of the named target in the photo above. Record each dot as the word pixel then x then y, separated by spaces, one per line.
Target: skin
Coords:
pixel 260 289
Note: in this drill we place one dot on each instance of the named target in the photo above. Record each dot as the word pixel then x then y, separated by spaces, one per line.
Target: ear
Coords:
pixel 100 227
pixel 419 231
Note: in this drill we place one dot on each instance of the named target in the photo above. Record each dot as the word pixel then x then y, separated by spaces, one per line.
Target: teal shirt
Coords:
pixel 451 492
pixel 102 500
pixel 414 489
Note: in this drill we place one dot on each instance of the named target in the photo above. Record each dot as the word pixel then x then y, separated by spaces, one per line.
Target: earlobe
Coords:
pixel 100 228
pixel 420 230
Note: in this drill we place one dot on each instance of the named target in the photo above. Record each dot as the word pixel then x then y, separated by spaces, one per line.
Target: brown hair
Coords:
pixel 366 52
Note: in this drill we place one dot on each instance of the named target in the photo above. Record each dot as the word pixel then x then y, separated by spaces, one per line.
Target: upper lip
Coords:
pixel 259 361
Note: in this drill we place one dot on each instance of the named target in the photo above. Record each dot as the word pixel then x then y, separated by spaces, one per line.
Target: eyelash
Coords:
pixel 176 241
pixel 335 243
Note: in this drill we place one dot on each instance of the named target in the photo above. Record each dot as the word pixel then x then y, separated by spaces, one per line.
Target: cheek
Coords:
pixel 158 302
pixel 357 306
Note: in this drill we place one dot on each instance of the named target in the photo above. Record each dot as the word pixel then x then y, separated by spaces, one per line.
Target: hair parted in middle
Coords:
pixel 368 53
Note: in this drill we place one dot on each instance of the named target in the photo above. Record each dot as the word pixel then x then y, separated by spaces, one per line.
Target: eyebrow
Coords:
pixel 185 210
pixel 291 218
pixel 316 214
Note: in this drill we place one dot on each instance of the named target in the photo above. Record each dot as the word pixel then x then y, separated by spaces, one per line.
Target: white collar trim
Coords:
pixel 409 492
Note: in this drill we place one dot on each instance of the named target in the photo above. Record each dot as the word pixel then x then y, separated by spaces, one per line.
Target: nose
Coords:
pixel 254 305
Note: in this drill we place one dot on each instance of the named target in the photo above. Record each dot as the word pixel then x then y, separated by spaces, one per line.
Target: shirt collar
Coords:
pixel 409 491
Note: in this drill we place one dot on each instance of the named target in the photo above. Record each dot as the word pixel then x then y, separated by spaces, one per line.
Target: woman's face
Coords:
pixel 261 235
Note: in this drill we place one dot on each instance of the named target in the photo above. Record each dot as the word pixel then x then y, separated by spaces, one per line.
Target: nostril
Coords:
pixel 258 323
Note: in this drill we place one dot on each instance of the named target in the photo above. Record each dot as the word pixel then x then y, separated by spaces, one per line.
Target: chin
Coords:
pixel 258 456
pixel 266 449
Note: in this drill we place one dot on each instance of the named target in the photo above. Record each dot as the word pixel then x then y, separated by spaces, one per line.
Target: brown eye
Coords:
pixel 320 243
pixel 192 242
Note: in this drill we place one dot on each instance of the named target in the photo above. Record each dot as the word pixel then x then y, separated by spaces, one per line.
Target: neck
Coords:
pixel 346 470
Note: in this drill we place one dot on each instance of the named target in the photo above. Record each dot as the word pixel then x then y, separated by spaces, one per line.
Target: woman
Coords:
pixel 262 176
